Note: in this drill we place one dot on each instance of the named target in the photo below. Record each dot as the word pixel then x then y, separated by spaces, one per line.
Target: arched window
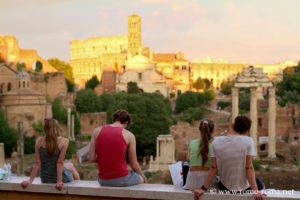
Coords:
pixel 8 87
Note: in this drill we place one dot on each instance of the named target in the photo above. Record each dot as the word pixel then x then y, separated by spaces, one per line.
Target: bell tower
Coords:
pixel 134 34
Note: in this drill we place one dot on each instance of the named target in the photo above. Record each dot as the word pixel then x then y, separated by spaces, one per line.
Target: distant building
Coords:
pixel 19 102
pixel 92 56
pixel 12 53
pixel 141 69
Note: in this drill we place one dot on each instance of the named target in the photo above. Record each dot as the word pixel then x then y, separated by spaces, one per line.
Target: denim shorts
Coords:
pixel 132 178
pixel 67 175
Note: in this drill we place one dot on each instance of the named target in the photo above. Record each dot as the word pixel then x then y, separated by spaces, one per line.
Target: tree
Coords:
pixel 21 66
pixel 92 83
pixel 199 84
pixel 38 66
pixel 226 87
pixel 59 112
pixel 8 135
pixel 288 90
pixel 87 101
pixel 132 88
pixel 208 83
pixel 66 69
pixel 188 100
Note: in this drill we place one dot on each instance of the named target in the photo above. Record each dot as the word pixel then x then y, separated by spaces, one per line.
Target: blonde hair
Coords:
pixel 51 129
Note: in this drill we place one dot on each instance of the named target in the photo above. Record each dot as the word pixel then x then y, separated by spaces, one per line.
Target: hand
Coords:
pixel 258 195
pixel 144 178
pixel 25 184
pixel 198 193
pixel 59 185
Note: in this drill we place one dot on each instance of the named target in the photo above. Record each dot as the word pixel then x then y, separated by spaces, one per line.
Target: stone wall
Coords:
pixel 51 84
pixel 89 121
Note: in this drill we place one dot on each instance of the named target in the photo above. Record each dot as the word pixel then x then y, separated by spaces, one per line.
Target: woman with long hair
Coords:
pixel 199 156
pixel 50 151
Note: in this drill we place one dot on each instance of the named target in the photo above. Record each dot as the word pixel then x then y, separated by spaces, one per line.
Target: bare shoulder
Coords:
pixel 96 132
pixel 39 141
pixel 128 134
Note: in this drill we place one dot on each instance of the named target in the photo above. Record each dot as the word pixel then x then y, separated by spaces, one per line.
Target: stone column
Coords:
pixel 69 124
pixel 272 124
pixel 2 155
pixel 20 149
pixel 157 149
pixel 234 103
pixel 72 128
pixel 253 116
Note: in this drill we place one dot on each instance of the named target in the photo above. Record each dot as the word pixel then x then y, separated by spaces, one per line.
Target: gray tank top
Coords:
pixel 48 172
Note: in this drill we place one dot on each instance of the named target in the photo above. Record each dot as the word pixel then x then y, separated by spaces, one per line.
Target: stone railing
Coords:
pixel 90 190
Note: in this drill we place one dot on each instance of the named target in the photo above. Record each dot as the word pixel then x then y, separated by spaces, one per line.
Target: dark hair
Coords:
pixel 206 128
pixel 241 124
pixel 122 116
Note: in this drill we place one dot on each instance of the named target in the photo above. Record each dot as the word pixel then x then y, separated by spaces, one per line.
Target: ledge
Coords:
pixel 92 190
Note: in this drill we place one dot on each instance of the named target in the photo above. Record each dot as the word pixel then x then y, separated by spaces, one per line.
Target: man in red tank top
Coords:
pixel 108 147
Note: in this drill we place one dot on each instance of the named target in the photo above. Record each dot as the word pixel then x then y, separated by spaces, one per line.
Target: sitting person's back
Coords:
pixel 50 151
pixel 108 147
pixel 199 156
pixel 111 151
pixel 231 151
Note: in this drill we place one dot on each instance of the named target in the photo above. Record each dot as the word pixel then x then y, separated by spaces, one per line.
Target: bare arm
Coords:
pixel 250 173
pixel 132 156
pixel 36 165
pixel 60 162
pixel 211 174
pixel 92 152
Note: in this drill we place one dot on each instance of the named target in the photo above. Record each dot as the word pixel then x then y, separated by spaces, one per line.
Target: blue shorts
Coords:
pixel 132 178
pixel 67 176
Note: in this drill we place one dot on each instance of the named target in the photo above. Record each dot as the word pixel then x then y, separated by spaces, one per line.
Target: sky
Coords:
pixel 256 31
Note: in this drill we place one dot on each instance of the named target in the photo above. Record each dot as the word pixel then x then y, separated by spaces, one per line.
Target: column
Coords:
pixel 20 149
pixel 157 149
pixel 2 155
pixel 272 124
pixel 69 124
pixel 234 103
pixel 72 128
pixel 253 116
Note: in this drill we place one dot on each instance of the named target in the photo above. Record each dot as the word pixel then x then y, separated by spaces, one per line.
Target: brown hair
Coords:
pixel 122 116
pixel 52 132
pixel 206 128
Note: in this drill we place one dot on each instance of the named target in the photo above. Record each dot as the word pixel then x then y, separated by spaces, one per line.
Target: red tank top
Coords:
pixel 111 153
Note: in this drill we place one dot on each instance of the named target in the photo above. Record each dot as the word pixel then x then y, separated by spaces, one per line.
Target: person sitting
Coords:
pixel 232 159
pixel 50 151
pixel 199 156
pixel 108 147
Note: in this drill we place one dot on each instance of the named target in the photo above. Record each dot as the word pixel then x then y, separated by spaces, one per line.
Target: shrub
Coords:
pixel 8 135
pixel 256 165
pixel 223 104
pixel 29 144
pixel 72 148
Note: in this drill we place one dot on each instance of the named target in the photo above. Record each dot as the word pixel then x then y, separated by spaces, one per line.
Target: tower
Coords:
pixel 134 34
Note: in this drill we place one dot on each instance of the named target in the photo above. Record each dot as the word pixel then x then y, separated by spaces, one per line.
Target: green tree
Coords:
pixel 288 90
pixel 66 69
pixel 38 66
pixel 199 84
pixel 132 88
pixel 87 101
pixel 59 112
pixel 226 87
pixel 21 66
pixel 209 94
pixel 92 83
pixel 188 100
pixel 8 135
pixel 208 83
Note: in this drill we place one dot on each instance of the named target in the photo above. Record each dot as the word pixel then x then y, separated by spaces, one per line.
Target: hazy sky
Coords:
pixel 254 31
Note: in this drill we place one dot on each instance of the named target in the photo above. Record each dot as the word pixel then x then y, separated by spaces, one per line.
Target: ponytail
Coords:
pixel 206 128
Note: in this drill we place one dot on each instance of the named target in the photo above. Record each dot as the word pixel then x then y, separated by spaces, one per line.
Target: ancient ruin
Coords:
pixel 255 78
